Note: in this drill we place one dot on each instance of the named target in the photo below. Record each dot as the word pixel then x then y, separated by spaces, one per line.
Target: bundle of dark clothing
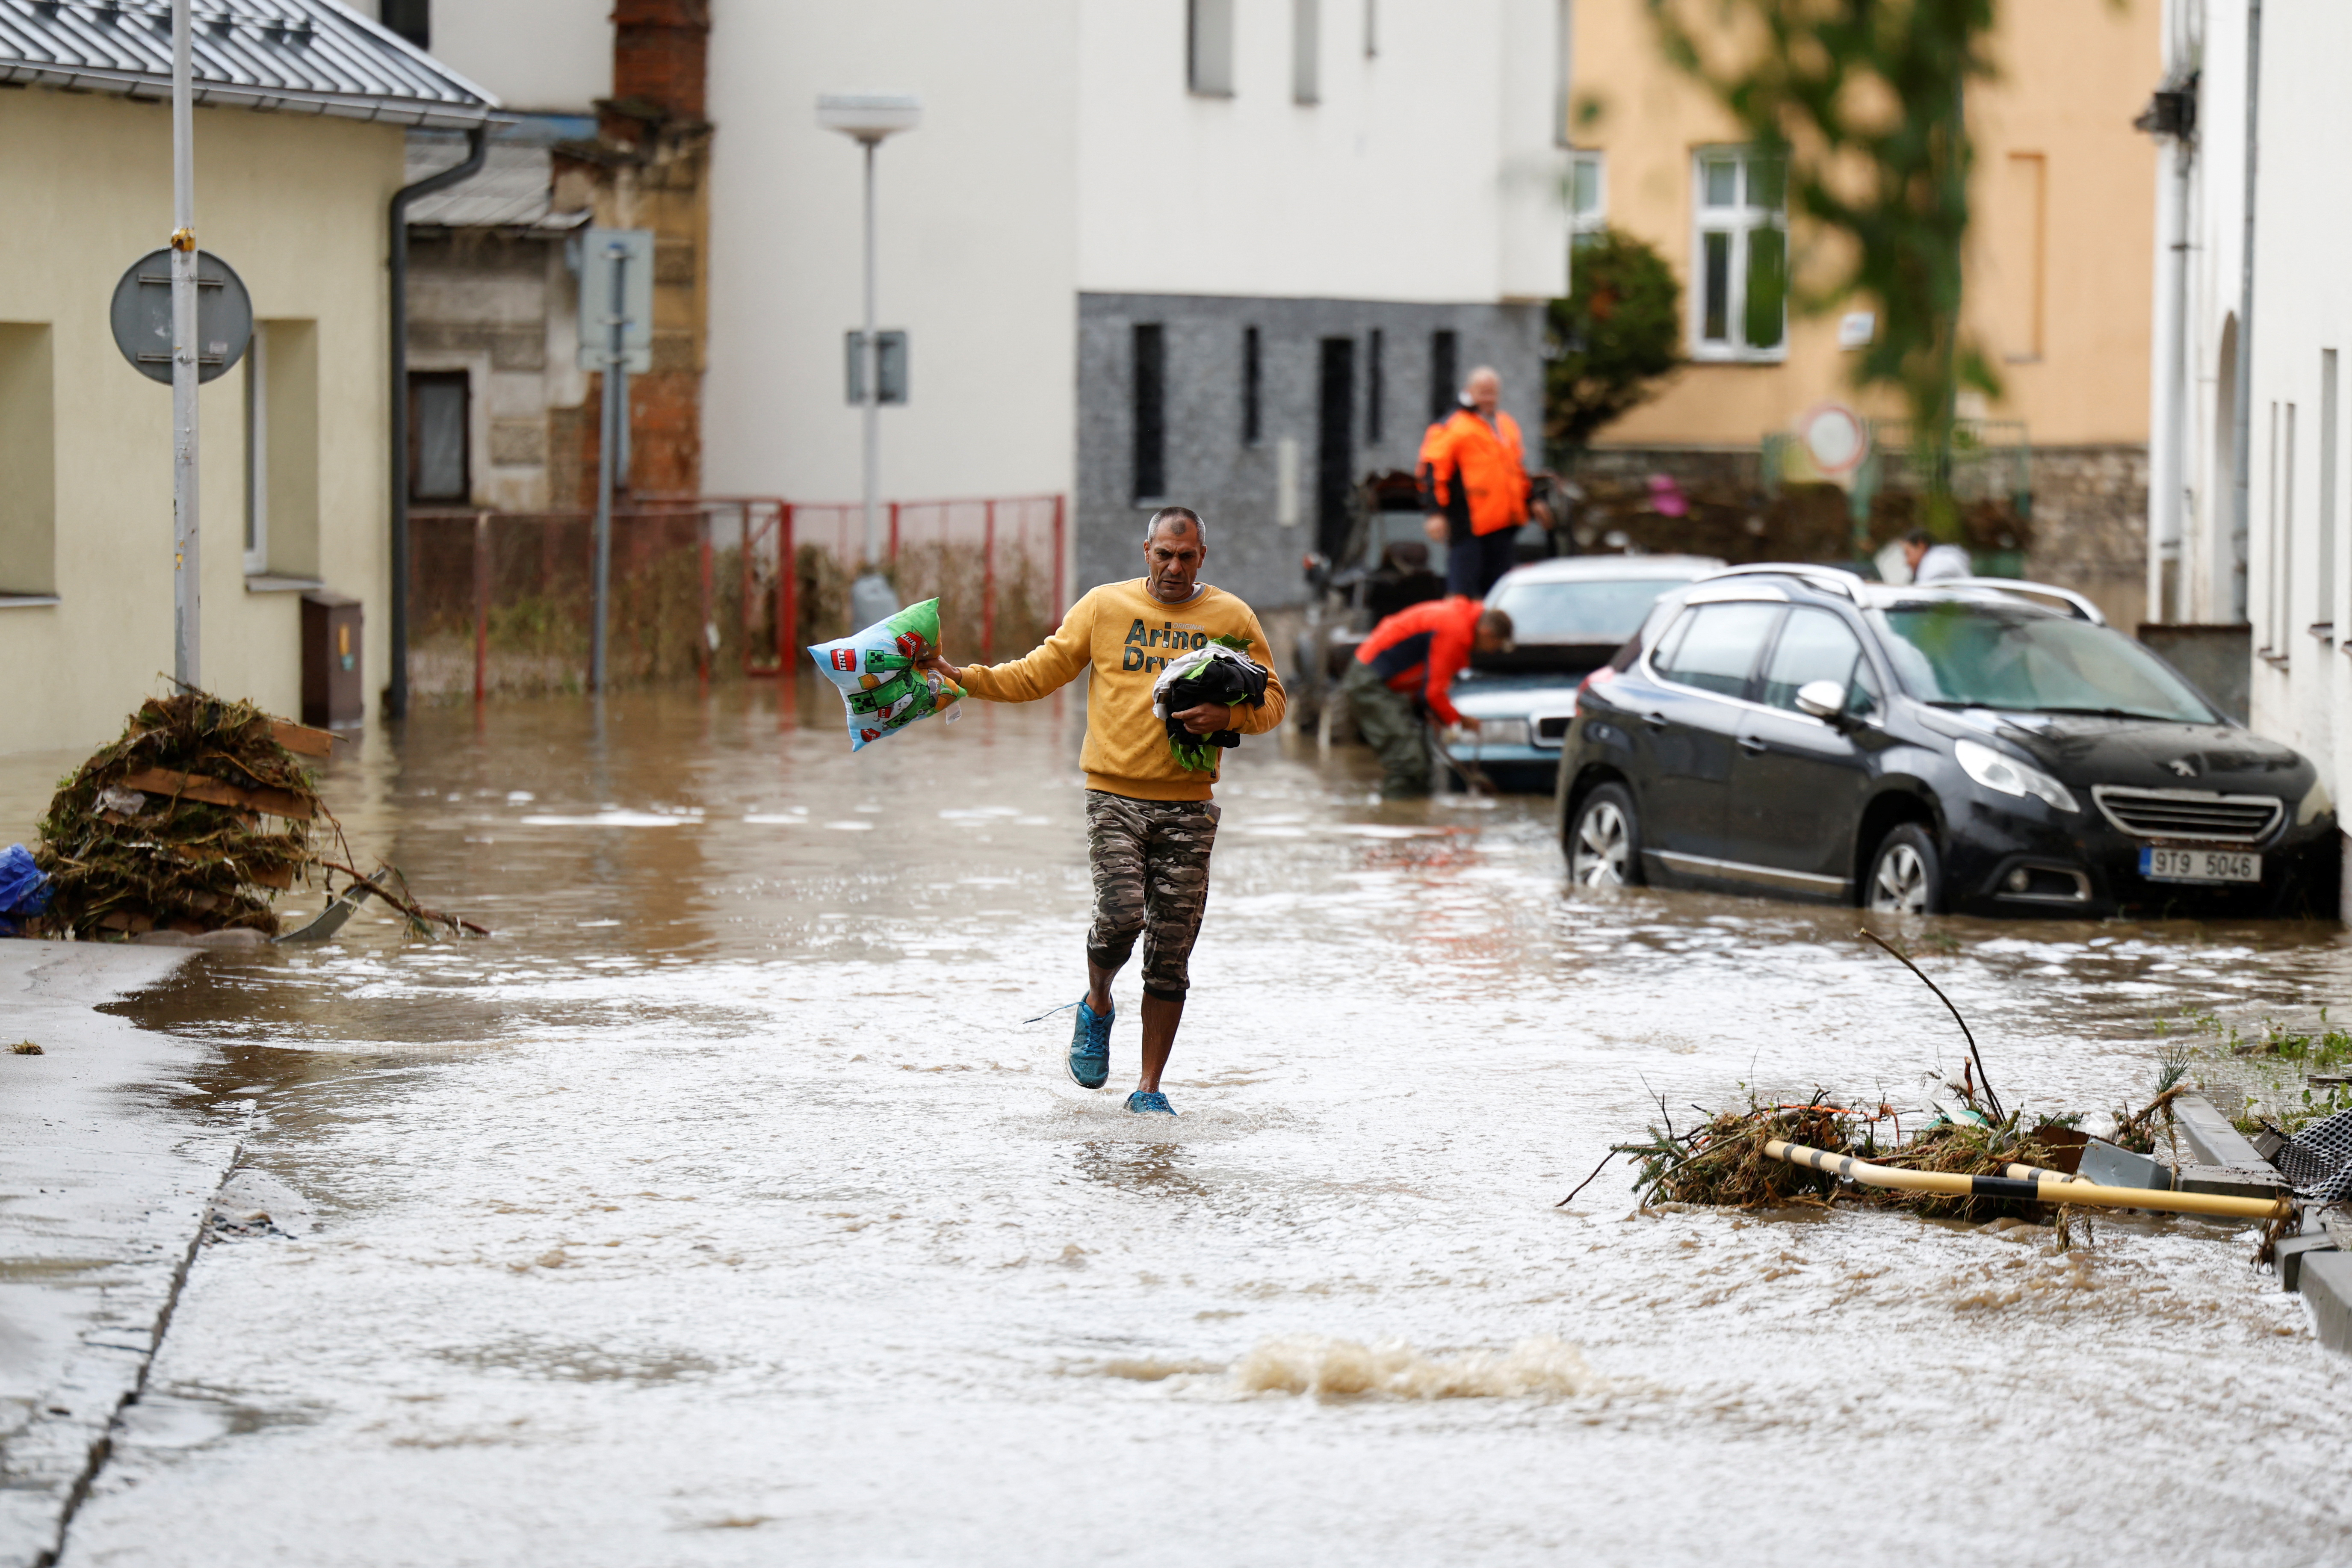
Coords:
pixel 1213 674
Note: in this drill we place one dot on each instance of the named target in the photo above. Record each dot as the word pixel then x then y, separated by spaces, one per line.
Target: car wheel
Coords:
pixel 1604 846
pixel 1907 875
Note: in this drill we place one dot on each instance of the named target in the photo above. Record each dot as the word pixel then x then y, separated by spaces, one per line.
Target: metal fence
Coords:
pixel 712 588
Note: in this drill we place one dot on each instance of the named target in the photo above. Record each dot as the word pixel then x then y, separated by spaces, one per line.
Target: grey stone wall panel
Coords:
pixel 1233 484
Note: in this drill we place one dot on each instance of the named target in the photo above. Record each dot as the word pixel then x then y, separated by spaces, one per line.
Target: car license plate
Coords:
pixel 2199 865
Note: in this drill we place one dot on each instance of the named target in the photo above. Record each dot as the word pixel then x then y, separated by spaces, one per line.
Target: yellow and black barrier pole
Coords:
pixel 2042 1187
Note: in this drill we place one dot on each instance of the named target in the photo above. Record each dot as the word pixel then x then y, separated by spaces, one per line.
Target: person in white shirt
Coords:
pixel 1933 562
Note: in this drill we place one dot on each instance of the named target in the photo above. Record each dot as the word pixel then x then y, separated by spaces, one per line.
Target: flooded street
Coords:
pixel 723 1208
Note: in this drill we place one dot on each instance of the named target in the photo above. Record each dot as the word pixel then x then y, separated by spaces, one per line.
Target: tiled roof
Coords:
pixel 514 190
pixel 304 56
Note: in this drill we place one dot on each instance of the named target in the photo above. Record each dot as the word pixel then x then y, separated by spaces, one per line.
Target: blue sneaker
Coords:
pixel 1150 1102
pixel 1090 1046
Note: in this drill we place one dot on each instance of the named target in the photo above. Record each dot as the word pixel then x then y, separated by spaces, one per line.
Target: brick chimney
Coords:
pixel 647 169
pixel 658 52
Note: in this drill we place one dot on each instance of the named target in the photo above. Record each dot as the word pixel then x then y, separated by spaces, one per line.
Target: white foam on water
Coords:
pixel 604 819
pixel 1390 1369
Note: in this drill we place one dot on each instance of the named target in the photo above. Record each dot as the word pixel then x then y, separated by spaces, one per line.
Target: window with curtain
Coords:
pixel 1740 251
pixel 1588 198
pixel 438 414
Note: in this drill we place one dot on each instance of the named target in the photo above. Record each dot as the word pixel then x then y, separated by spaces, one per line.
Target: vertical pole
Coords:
pixel 746 573
pixel 607 454
pixel 187 557
pixel 788 572
pixel 872 358
pixel 988 585
pixel 894 533
pixel 1058 548
pixel 705 635
pixel 481 605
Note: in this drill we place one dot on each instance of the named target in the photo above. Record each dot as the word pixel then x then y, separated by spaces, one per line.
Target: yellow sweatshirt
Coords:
pixel 1129 637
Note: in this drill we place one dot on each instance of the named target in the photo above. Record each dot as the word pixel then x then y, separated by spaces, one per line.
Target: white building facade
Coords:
pixel 1214 252
pixel 2247 511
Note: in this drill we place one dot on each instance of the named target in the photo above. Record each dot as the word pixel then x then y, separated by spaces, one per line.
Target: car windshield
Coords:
pixel 1964 655
pixel 1598 610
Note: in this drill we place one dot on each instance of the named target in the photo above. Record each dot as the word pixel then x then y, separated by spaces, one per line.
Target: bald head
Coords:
pixel 1484 390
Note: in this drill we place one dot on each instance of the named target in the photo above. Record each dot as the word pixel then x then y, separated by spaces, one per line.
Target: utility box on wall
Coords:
pixel 334 696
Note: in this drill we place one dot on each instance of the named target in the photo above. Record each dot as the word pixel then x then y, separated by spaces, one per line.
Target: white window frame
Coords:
pixel 1582 224
pixel 257 452
pixel 1739 221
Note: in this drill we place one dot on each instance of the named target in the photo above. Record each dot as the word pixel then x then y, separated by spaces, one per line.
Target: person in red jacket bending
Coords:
pixel 1474 485
pixel 1406 668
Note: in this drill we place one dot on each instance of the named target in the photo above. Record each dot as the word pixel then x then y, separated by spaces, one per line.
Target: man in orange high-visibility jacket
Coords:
pixel 1474 485
pixel 1408 664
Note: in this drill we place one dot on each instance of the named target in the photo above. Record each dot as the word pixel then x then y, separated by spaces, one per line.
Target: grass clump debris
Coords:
pixel 192 821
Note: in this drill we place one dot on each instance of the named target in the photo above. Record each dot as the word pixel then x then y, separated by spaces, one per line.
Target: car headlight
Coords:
pixel 2314 805
pixel 2006 775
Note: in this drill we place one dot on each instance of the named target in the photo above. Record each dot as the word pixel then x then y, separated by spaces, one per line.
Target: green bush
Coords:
pixel 1611 342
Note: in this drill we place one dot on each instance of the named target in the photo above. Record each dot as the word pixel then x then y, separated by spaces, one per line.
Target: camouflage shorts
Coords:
pixel 1150 861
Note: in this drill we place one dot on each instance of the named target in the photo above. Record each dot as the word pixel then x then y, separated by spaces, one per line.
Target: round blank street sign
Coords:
pixel 141 315
pixel 1835 438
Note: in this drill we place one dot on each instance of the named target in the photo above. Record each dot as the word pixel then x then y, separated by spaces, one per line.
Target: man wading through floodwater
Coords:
pixel 1150 821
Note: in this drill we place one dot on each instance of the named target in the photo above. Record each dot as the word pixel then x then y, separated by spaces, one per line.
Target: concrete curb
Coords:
pixel 106 1174
pixel 2325 1277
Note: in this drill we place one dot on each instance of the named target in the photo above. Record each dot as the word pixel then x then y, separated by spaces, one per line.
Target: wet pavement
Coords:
pixel 723 1209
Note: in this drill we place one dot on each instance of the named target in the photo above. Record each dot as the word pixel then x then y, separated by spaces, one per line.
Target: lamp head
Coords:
pixel 869 116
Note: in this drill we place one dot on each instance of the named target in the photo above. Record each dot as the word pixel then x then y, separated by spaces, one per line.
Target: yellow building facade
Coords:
pixel 292 439
pixel 2057 280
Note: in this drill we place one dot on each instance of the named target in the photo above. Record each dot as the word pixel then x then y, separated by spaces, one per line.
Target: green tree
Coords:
pixel 1866 98
pixel 1611 340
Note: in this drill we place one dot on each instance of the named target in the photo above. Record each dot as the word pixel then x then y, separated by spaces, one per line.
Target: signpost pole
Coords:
pixel 187 568
pixel 872 365
pixel 615 417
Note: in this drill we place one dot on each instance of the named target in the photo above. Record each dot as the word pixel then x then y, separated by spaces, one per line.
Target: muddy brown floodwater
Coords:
pixel 723 1209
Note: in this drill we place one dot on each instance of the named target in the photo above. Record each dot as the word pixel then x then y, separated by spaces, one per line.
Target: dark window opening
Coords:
pixel 1444 380
pixel 439 462
pixel 1151 412
pixel 1209 47
pixel 1335 446
pixel 412 19
pixel 1375 390
pixel 1252 410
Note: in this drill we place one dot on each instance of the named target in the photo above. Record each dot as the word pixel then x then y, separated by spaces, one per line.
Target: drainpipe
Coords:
pixel 2241 417
pixel 2167 462
pixel 396 696
pixel 2172 116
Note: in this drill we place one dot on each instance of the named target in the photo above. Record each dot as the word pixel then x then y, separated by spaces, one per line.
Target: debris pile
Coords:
pixel 1739 1158
pixel 191 822
pixel 1722 1162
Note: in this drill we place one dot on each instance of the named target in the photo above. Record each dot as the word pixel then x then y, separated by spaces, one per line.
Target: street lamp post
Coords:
pixel 868 118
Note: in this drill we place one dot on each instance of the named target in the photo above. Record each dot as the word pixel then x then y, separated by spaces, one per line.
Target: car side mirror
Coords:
pixel 1823 700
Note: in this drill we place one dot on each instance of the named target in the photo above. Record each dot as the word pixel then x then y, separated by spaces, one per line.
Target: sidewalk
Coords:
pixel 105 1174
